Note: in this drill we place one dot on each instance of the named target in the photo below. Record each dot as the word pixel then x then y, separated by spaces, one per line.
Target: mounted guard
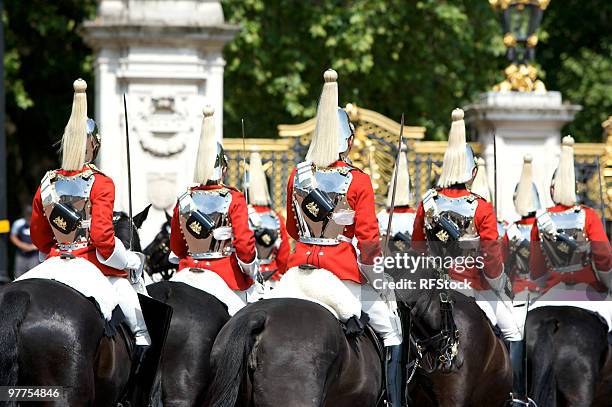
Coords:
pixel 517 239
pixel 457 223
pixel 271 239
pixel 480 186
pixel 329 202
pixel 210 230
pixel 72 220
pixel 403 214
pixel 571 256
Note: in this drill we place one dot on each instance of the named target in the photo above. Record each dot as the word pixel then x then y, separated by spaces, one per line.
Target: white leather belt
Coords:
pixel 68 247
pixel 325 241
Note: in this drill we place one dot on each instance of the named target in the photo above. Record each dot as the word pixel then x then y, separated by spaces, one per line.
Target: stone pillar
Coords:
pixel 166 56
pixel 522 123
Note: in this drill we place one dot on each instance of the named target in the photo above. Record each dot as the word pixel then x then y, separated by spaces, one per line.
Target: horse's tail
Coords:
pixel 543 374
pixel 12 313
pixel 228 372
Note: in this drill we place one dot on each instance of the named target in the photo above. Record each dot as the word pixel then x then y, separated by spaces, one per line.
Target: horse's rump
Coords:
pixel 292 352
pixel 57 342
pixel 567 349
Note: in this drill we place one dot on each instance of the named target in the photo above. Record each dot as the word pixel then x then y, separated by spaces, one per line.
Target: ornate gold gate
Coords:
pixel 376 138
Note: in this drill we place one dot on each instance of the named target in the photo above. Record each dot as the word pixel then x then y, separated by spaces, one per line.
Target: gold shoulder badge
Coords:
pixel 313 208
pixel 442 235
pixel 196 227
pixel 60 223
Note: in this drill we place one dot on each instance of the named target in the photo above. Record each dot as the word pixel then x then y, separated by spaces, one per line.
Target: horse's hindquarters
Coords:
pixel 296 355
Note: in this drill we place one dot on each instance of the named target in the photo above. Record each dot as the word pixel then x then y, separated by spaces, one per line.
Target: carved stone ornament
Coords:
pixel 161 190
pixel 163 125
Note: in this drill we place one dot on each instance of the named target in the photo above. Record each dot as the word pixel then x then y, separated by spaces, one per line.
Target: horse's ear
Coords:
pixel 168 217
pixel 141 217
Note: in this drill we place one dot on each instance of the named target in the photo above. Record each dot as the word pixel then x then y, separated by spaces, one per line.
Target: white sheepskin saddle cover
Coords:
pixel 80 275
pixel 580 296
pixel 319 286
pixel 211 283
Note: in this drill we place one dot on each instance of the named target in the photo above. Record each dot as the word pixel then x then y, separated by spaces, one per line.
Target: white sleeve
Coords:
pixel 16 225
pixel 118 259
pixel 173 258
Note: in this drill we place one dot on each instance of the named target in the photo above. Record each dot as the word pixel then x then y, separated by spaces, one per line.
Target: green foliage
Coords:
pixel 577 59
pixel 419 57
pixel 422 58
pixel 44 54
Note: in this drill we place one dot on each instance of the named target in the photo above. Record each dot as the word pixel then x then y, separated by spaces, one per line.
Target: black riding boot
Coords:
pixel 140 352
pixel 517 358
pixel 394 376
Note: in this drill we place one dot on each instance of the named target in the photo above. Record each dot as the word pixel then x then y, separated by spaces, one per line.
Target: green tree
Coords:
pixel 420 57
pixel 43 56
pixel 576 56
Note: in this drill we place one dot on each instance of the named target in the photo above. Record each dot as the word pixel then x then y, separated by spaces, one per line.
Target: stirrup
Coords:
pixel 514 402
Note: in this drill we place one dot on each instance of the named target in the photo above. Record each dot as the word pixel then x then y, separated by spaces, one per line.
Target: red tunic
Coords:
pixel 486 226
pixel 600 251
pixel 243 242
pixel 279 264
pixel 341 259
pixel 519 283
pixel 101 231
pixel 401 209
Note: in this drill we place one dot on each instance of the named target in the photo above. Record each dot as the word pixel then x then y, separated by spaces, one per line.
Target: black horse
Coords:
pixel 460 360
pixel 51 335
pixel 569 358
pixel 291 352
pixel 158 251
pixel 197 319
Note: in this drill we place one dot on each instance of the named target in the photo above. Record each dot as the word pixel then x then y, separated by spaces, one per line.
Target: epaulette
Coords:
pixel 473 196
pixel 353 168
pixel 95 169
pixel 230 187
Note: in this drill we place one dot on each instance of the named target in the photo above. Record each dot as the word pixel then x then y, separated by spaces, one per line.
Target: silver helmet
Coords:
pixel 220 164
pixel 346 130
pixel 94 140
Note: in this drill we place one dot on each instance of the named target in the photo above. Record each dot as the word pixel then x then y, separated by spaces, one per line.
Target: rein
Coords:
pixel 433 352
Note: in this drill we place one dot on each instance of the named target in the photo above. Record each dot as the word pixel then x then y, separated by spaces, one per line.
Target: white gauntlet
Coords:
pixel 498 284
pixel 605 277
pixel 250 269
pixel 135 269
pixel 118 259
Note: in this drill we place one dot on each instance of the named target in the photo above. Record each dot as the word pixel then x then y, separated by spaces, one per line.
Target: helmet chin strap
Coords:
pixel 92 148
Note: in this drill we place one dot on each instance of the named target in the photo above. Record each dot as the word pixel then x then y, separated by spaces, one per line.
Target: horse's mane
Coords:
pixel 121 223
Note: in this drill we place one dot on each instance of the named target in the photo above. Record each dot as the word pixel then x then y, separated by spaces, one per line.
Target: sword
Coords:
pixel 601 197
pixel 129 170
pixel 394 185
pixel 508 285
pixel 244 177
pixel 495 175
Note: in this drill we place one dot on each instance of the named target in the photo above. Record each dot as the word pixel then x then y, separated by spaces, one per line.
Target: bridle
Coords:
pixel 437 351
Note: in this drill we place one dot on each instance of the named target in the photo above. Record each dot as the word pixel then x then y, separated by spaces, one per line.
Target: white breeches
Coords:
pixel 211 283
pixel 130 306
pixel 382 320
pixel 508 315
